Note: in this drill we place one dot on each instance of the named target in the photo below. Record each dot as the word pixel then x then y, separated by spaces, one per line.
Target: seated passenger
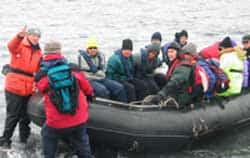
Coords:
pixel 232 65
pixel 181 38
pixel 120 68
pixel 92 61
pixel 212 51
pixel 179 80
pixel 159 77
pixel 145 63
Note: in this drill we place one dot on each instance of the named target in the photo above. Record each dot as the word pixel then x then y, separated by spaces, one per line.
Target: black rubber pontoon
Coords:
pixel 151 127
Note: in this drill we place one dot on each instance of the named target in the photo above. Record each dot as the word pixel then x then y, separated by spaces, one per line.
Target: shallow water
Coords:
pixel 71 21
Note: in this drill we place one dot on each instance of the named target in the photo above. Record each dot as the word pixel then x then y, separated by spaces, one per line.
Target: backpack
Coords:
pixel 210 75
pixel 222 81
pixel 63 88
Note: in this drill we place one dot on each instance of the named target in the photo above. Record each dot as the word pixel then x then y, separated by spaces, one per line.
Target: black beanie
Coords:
pixel 127 44
pixel 183 33
pixel 156 35
pixel 226 43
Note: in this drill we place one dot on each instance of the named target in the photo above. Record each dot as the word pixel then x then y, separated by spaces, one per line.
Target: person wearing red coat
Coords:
pixel 211 51
pixel 70 127
pixel 25 55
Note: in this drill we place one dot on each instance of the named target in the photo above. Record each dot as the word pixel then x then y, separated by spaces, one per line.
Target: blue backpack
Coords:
pixel 63 88
pixel 218 80
pixel 211 77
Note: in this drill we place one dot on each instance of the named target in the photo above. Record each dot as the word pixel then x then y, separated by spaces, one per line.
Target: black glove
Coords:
pixel 6 69
pixel 152 99
pixel 90 98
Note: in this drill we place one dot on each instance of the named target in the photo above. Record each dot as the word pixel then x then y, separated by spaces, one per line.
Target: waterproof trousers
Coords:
pixel 76 136
pixel 16 113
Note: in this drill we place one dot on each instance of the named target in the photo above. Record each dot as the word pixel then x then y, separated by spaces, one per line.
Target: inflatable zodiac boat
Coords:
pixel 153 127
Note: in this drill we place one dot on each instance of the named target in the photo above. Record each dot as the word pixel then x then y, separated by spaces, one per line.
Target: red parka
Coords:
pixel 59 120
pixel 24 58
pixel 211 51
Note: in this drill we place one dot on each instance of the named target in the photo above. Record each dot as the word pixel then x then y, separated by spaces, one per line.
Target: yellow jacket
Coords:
pixel 232 65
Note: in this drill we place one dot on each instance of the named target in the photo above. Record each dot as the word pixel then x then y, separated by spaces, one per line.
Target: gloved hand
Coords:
pixel 152 99
pixel 90 98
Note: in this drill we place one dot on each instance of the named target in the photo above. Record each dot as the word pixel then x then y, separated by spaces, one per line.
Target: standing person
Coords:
pixel 24 63
pixel 145 63
pixel 120 67
pixel 66 90
pixel 92 61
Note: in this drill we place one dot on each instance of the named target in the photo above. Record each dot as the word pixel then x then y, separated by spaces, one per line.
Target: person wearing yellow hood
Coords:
pixel 92 61
pixel 231 63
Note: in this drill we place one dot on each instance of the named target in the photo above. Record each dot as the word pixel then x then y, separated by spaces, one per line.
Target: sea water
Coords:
pixel 111 21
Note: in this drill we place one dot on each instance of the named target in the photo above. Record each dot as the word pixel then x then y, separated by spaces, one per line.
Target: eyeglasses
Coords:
pixel 92 48
pixel 245 42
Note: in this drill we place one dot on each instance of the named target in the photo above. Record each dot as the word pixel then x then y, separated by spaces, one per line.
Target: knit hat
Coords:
pixel 127 44
pixel 174 45
pixel 52 47
pixel 155 48
pixel 91 42
pixel 183 33
pixel 246 38
pixel 190 48
pixel 34 31
pixel 226 42
pixel 156 35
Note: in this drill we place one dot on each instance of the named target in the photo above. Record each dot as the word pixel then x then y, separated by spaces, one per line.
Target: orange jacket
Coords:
pixel 23 58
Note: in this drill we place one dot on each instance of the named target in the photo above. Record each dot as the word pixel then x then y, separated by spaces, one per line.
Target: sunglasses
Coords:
pixel 92 48
pixel 244 42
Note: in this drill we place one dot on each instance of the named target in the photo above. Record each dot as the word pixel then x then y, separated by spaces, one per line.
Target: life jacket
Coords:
pixel 197 79
pixel 93 67
pixel 63 87
pixel 172 67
